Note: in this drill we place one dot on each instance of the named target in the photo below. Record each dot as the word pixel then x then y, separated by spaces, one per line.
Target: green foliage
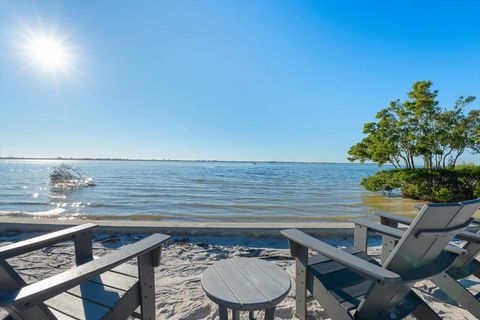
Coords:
pixel 420 128
pixel 436 185
pixel 385 181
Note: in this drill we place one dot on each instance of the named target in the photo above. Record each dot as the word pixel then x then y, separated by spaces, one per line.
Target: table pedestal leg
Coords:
pixel 270 313
pixel 250 315
pixel 223 312
pixel 235 315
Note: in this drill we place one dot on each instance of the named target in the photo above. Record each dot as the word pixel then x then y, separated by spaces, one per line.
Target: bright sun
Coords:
pixel 48 53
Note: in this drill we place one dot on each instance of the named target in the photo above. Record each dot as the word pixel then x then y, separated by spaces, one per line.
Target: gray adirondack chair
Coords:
pixel 464 266
pixel 103 288
pixel 351 285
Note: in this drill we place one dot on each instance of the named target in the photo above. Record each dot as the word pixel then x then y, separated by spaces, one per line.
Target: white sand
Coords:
pixel 179 293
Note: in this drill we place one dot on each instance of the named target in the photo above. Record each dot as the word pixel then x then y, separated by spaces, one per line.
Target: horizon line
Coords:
pixel 171 160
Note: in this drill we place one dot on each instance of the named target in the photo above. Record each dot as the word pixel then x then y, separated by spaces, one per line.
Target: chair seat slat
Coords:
pixel 76 307
pixel 59 315
pixel 115 280
pixel 335 276
pixel 97 293
pixel 126 270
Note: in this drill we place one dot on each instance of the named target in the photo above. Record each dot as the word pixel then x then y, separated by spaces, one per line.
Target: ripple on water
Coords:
pixel 197 191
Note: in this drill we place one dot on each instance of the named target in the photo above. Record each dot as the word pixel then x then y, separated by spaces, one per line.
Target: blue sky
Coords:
pixel 231 80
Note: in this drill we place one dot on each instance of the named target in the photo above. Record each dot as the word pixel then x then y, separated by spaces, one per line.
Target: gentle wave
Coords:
pixel 53 213
pixel 24 203
pixel 191 191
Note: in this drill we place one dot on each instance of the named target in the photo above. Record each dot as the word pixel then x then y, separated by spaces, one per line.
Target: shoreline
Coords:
pixel 255 229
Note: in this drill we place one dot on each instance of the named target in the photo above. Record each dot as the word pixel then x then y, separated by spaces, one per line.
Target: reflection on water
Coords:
pixel 196 191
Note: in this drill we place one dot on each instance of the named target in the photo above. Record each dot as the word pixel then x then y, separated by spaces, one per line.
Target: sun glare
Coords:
pixel 48 53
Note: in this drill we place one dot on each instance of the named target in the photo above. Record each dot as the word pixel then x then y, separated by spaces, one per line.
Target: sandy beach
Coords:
pixel 179 294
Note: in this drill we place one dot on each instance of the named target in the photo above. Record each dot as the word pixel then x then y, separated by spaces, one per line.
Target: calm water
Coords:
pixel 195 191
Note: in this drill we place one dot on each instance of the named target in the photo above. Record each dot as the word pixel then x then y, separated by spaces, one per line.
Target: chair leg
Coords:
pixel 270 314
pixel 360 238
pixel 457 292
pixel 83 247
pixel 388 244
pixel 146 277
pixel 301 266
pixel 328 302
pixel 476 272
pixel 223 312
pixel 424 312
pixel 235 314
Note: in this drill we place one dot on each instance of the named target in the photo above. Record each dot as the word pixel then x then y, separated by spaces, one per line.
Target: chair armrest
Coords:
pixel 379 228
pixel 469 236
pixel 474 227
pixel 384 230
pixel 42 241
pixel 40 291
pixel 365 268
pixel 476 221
pixel 394 217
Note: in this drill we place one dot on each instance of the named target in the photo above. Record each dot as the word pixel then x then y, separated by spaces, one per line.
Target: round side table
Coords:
pixel 245 284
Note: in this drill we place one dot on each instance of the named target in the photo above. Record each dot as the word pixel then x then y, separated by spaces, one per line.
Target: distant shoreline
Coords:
pixel 175 160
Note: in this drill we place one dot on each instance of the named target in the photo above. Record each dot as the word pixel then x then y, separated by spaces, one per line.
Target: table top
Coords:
pixel 246 283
